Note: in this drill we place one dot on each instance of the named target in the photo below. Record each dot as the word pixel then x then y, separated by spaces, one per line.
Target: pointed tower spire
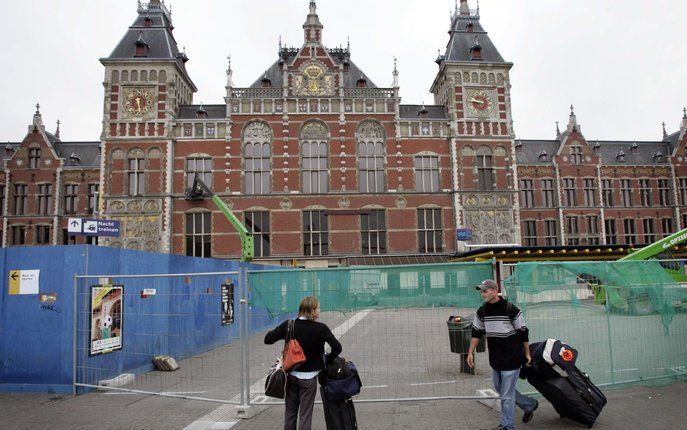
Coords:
pixel 572 122
pixel 558 129
pixel 230 73
pixel 683 126
pixel 395 73
pixel 57 132
pixel 37 119
pixel 464 8
pixel 313 27
pixel 665 133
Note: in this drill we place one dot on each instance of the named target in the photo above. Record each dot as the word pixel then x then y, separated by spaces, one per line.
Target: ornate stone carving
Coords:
pixel 133 206
pixel 151 206
pixel 369 131
pixel 344 202
pixel 314 131
pixel 285 204
pixel 257 132
pixel 116 206
pixel 401 202
pixel 313 81
pixel 229 203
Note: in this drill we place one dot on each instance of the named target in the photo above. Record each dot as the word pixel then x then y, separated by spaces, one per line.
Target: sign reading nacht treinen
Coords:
pixel 106 318
pixel 92 227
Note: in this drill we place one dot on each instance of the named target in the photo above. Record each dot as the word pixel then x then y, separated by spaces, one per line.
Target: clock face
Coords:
pixel 480 102
pixel 138 101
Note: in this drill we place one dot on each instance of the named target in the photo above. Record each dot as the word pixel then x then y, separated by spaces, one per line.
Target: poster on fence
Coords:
pixel 227 304
pixel 106 318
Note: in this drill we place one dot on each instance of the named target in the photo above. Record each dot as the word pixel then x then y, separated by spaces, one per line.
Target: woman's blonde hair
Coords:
pixel 308 307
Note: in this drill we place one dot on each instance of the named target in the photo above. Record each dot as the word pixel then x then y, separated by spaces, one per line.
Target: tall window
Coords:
pixel 315 233
pixel 649 231
pixel 314 138
pixel 17 235
pixel 2 199
pixel 593 230
pixel 611 232
pixel 684 220
pixel 663 192
pixel 630 231
pixel 590 192
pixel 551 232
pixel 530 234
pixel 258 224
pixel 71 191
pixel 258 152
pixel 572 230
pixel 20 199
pixel 576 154
pixel 198 234
pixel 607 192
pixel 373 232
pixel 683 191
pixel 626 192
pixel 68 239
pixel 569 192
pixel 644 192
pixel 547 191
pixel 201 167
pixel 430 230
pixel 43 235
pixel 485 173
pixel 136 176
pixel 667 226
pixel 370 138
pixel 92 203
pixel 527 193
pixel 427 173
pixel 44 199
pixel 34 158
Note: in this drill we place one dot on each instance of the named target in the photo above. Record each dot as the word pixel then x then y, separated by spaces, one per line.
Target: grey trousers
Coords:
pixel 300 394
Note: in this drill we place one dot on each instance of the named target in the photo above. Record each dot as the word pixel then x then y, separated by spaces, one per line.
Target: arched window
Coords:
pixel 370 138
pixel 314 139
pixel 257 138
pixel 200 165
pixel 136 172
pixel 427 173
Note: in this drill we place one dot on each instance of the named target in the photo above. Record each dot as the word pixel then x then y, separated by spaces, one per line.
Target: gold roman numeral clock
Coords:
pixel 138 102
pixel 480 103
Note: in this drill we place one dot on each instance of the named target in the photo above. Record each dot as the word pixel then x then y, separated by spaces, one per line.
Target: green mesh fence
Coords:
pixel 627 319
pixel 378 287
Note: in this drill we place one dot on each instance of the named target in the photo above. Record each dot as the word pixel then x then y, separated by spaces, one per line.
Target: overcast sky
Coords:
pixel 622 63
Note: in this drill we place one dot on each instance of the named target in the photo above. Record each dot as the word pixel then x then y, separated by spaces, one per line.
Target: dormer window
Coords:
pixel 658 157
pixel 634 147
pixel 9 150
pixel 148 22
pixel 141 46
pixel 596 147
pixel 362 82
pixel 470 27
pixel 476 51
pixel 34 157
pixel 201 112
pixel 543 156
pixel 74 159
pixel 347 66
pixel 266 82
pixel 422 113
pixel 518 145
pixel 620 156
pixel 576 154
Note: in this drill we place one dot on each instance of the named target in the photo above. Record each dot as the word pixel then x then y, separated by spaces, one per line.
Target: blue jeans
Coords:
pixel 504 383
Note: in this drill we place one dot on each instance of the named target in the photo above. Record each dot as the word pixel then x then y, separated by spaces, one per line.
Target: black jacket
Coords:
pixel 311 335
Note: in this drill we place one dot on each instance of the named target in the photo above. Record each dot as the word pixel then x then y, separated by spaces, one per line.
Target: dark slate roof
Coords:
pixel 527 151
pixel 13 145
pixel 413 112
pixel 52 138
pixel 274 72
pixel 458 48
pixel 213 111
pixel 88 153
pixel 643 154
pixel 672 141
pixel 161 42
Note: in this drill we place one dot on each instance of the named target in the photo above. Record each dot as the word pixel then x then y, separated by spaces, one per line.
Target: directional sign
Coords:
pixel 464 234
pixel 24 281
pixel 74 226
pixel 93 227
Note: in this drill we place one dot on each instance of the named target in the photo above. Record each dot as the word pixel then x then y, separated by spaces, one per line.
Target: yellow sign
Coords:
pixel 24 281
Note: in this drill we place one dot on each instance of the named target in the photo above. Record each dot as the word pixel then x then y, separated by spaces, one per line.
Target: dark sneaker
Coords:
pixel 527 416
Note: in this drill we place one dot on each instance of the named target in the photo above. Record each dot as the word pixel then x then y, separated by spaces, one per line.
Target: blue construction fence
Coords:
pixel 37 336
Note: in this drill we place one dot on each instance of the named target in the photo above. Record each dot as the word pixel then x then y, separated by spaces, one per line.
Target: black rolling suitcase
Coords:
pixel 338 414
pixel 574 397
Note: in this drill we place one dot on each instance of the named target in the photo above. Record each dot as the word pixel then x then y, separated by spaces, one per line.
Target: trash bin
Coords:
pixel 460 334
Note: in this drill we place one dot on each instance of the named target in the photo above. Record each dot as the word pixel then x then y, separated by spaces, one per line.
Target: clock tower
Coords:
pixel 145 83
pixel 473 84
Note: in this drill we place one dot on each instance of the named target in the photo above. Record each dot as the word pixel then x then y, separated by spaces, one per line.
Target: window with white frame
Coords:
pixel 569 191
pixel 258 224
pixel 645 192
pixel 548 193
pixel 630 231
pixel 315 233
pixel 527 193
pixel 20 199
pixel 530 233
pixel 43 199
pixel 485 171
pixel 257 138
pixel 71 193
pixel 136 176
pixel 607 192
pixel 590 192
pixel 611 231
pixel 667 226
pixel 683 191
pixel 593 230
pixel 43 236
pixel 373 232
pixel 427 173
pixel 649 231
pixel 201 167
pixel 572 230
pixel 663 192
pixel 626 192
pixel 34 158
pixel 551 232
pixel 370 137
pixel 576 154
pixel 430 230
pixel 314 158
pixel 199 234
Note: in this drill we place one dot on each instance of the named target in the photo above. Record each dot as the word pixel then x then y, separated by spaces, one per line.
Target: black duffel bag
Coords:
pixel 342 379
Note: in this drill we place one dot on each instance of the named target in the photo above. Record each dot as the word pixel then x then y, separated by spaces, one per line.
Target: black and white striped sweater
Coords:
pixel 506 331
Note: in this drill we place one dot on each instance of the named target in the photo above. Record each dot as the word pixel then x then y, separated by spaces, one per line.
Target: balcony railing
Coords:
pixel 257 93
pixel 149 7
pixel 369 93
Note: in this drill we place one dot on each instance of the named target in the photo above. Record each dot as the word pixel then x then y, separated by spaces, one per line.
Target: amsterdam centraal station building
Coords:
pixel 326 168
